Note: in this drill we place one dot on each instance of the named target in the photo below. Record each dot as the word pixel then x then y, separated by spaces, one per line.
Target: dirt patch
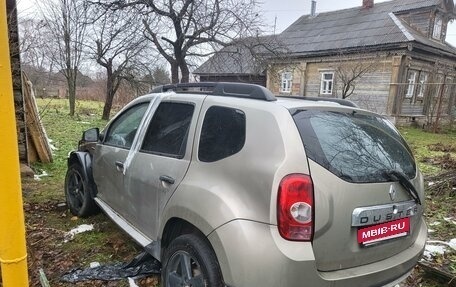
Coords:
pixel 46 227
pixel 442 184
pixel 442 147
pixel 445 162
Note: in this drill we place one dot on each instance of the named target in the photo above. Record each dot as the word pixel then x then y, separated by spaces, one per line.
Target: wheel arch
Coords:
pixel 84 159
pixel 176 227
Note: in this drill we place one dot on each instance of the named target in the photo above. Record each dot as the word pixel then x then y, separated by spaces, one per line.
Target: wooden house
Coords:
pixel 239 61
pixel 389 57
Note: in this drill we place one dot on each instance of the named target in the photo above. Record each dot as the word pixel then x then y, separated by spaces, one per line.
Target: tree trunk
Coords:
pixel 435 128
pixel 109 94
pixel 185 72
pixel 174 73
pixel 72 91
pixel 107 106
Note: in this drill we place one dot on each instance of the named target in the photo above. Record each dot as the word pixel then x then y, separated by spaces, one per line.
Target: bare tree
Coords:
pixel 160 76
pixel 32 42
pixel 119 48
pixel 348 71
pixel 187 28
pixel 67 23
pixel 438 101
pixel 35 56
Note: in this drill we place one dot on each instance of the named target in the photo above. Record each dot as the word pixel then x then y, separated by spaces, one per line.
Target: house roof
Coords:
pixel 357 27
pixel 333 32
pixel 242 56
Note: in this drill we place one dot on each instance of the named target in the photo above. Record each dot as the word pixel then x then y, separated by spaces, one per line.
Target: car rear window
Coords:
pixel 354 146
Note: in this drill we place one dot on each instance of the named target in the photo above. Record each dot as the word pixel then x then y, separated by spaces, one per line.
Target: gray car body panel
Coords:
pixel 274 261
pixel 143 177
pixel 233 201
pixel 335 201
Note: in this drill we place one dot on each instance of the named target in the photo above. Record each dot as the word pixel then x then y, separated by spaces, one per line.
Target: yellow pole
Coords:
pixel 13 252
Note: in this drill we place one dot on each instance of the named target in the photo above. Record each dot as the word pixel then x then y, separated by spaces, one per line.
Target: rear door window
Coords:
pixel 354 146
pixel 222 134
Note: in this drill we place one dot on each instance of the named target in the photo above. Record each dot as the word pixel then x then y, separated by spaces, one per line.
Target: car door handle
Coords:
pixel 167 179
pixel 119 165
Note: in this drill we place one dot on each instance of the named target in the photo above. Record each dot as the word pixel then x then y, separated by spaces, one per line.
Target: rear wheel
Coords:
pixel 190 261
pixel 78 192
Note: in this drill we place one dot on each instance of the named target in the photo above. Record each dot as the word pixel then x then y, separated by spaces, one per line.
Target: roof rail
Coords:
pixel 342 102
pixel 225 89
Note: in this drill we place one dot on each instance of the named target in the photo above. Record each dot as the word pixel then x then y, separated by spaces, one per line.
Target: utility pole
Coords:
pixel 13 254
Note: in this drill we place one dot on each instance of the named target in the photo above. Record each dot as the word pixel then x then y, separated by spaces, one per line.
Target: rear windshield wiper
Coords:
pixel 403 180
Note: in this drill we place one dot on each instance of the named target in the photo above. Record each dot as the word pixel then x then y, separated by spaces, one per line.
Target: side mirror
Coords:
pixel 91 135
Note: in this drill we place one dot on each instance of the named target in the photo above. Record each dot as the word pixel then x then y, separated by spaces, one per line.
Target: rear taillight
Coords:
pixel 295 207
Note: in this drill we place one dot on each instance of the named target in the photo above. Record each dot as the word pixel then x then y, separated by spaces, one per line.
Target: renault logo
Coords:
pixel 392 193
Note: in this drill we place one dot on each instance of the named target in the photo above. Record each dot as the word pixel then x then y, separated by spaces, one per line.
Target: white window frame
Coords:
pixel 438 24
pixel 286 82
pixel 326 85
pixel 422 84
pixel 411 84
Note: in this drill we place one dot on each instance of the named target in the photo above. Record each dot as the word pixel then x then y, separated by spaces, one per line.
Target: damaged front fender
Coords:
pixel 84 159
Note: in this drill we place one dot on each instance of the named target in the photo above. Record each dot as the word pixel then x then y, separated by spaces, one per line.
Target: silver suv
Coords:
pixel 229 185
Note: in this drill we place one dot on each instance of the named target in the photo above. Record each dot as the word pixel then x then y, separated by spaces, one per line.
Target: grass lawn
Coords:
pixel 436 158
pixel 47 223
pixel 428 147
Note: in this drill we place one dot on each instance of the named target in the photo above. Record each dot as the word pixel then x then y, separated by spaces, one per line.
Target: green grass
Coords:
pixel 65 132
pixel 420 140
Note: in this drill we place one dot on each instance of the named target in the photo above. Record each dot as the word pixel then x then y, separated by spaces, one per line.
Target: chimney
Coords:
pixel 368 4
pixel 313 9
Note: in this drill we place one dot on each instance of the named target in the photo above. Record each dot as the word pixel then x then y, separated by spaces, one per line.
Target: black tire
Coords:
pixel 203 269
pixel 78 192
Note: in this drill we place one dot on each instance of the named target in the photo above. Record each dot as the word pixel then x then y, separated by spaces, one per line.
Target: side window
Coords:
pixel 327 83
pixel 411 84
pixel 287 78
pixel 438 23
pixel 122 131
pixel 222 134
pixel 168 131
pixel 422 84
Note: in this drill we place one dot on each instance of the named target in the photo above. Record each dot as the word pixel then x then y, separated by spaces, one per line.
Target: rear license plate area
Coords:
pixel 384 231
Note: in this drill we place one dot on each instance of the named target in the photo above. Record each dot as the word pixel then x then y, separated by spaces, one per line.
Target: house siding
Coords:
pixel 251 79
pixel 371 92
pixel 420 20
pixel 298 77
pixel 426 106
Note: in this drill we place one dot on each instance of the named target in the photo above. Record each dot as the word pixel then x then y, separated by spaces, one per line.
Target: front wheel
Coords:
pixel 190 261
pixel 78 192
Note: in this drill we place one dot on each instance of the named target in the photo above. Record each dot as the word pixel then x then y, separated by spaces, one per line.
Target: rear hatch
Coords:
pixel 366 186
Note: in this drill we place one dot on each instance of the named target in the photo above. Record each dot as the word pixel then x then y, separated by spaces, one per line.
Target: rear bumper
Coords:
pixel 272 261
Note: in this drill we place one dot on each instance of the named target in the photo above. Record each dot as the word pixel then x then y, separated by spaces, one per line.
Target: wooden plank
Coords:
pixel 36 132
